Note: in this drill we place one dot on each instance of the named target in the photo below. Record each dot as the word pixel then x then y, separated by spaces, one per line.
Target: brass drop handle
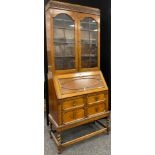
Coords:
pixel 73 116
pixel 74 103
pixel 96 98
pixel 96 109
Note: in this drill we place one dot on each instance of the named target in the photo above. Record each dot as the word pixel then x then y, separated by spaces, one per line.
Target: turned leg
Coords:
pixel 50 129
pixel 108 125
pixel 60 142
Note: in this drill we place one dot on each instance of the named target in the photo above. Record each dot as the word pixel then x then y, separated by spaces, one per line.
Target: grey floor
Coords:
pixel 98 145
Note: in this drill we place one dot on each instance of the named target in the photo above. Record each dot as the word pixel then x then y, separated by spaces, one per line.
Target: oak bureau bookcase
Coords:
pixel 78 93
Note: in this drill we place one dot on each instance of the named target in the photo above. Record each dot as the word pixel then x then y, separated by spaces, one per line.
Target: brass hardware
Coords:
pixel 96 98
pixel 73 115
pixel 74 103
pixel 96 109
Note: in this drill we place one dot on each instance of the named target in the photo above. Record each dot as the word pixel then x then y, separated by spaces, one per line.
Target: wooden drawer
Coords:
pixel 73 102
pixel 98 108
pixel 80 113
pixel 91 98
pixel 70 116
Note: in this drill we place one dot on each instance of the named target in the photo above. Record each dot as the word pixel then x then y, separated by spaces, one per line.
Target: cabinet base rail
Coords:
pixel 60 145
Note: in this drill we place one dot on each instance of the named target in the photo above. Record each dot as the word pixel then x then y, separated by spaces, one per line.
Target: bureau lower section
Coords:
pixel 76 111
pixel 82 107
pixel 77 99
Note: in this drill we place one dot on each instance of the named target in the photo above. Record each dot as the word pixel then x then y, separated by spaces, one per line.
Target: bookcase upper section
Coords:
pixel 73 37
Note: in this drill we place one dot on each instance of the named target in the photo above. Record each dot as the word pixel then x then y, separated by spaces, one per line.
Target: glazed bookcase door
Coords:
pixel 89 42
pixel 64 54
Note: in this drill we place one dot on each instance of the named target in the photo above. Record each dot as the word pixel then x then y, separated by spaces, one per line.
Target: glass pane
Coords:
pixel 91 20
pixel 85 50
pixel 93 37
pixel 59 50
pixel 85 37
pixel 69 62
pixel 69 35
pixel 93 62
pixel 58 24
pixel 66 17
pixel 89 56
pixel 93 55
pixel 64 40
pixel 85 55
pixel 60 16
pixel 69 50
pixel 59 35
pixel 93 27
pixel 86 20
pixel 84 26
pixel 69 24
pixel 93 50
pixel 59 63
pixel 85 62
pixel 89 41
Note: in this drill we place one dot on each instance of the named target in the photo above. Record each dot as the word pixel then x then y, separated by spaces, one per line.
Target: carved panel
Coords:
pixel 68 6
pixel 82 83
